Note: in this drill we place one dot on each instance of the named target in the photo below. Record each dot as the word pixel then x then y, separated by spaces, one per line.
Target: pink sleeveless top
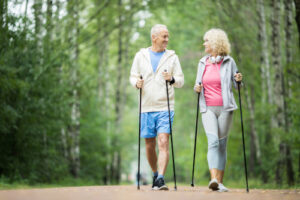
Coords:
pixel 212 84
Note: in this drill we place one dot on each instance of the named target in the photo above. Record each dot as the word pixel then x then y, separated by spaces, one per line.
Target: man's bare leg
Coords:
pixel 151 153
pixel 163 157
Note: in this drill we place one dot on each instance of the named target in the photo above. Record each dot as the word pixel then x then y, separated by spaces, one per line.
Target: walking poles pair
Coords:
pixel 174 172
pixel 245 161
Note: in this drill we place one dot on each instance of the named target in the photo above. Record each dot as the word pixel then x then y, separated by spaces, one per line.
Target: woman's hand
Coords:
pixel 238 77
pixel 198 88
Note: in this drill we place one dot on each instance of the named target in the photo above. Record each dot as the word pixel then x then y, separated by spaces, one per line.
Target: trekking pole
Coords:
pixel 139 151
pixel 245 161
pixel 174 172
pixel 195 143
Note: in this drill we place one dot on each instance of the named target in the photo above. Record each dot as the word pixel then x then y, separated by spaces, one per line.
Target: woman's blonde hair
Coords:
pixel 218 41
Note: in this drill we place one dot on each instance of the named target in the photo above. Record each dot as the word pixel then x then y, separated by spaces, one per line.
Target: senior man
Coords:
pixel 156 65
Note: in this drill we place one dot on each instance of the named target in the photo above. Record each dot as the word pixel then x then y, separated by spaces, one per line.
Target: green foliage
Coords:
pixel 36 92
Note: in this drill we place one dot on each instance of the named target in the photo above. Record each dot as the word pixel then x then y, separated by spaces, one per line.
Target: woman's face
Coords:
pixel 207 46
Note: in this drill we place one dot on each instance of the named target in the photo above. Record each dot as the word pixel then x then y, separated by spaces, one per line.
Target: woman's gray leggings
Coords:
pixel 216 123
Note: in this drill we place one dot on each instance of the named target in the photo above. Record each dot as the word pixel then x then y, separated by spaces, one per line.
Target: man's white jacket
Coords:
pixel 154 96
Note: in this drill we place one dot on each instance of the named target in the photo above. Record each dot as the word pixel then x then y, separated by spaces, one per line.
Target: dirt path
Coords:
pixel 131 193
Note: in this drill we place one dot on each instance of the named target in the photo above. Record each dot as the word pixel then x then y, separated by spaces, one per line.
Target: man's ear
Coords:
pixel 153 37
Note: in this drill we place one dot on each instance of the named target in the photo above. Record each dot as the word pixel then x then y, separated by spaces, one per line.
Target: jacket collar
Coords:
pixel 166 55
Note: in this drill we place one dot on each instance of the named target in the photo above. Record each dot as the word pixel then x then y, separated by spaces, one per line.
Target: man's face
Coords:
pixel 162 39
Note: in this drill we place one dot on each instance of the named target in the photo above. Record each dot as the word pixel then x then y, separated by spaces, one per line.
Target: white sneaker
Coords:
pixel 213 184
pixel 222 188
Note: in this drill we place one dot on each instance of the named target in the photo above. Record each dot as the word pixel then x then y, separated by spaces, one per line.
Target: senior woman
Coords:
pixel 217 72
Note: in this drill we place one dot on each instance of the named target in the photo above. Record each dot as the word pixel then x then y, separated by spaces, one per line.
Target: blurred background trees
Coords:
pixel 68 111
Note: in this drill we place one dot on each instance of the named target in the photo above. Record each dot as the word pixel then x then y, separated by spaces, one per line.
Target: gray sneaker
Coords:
pixel 213 184
pixel 222 188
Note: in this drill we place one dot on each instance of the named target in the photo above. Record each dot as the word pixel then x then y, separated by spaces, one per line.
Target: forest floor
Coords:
pixel 145 193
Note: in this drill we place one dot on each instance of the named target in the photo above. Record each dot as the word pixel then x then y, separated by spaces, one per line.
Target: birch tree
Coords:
pixel 74 129
pixel 288 5
pixel 264 56
pixel 279 122
pixel 297 18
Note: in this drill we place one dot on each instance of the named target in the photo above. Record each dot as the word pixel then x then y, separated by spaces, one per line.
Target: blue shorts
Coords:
pixel 153 123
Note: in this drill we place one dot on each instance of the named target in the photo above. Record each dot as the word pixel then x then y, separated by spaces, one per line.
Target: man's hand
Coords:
pixel 198 88
pixel 238 77
pixel 167 76
pixel 139 83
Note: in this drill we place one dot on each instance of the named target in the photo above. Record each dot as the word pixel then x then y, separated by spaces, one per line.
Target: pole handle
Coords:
pixel 199 84
pixel 166 71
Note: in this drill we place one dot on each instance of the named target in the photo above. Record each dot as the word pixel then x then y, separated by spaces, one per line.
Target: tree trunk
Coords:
pixel 297 18
pixel 58 40
pixel 119 70
pixel 103 96
pixel 37 7
pixel 298 167
pixel 2 14
pixel 56 17
pixel 279 121
pixel 267 89
pixel 3 25
pixel 255 153
pixel 74 129
pixel 49 25
pixel 108 121
pixel 276 55
pixel 38 24
pixel 126 62
pixel 264 58
pixel 116 154
pixel 38 18
pixel 288 4
pixel 25 15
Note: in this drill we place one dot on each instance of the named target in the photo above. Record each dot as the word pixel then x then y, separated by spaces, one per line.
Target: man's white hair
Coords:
pixel 156 29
